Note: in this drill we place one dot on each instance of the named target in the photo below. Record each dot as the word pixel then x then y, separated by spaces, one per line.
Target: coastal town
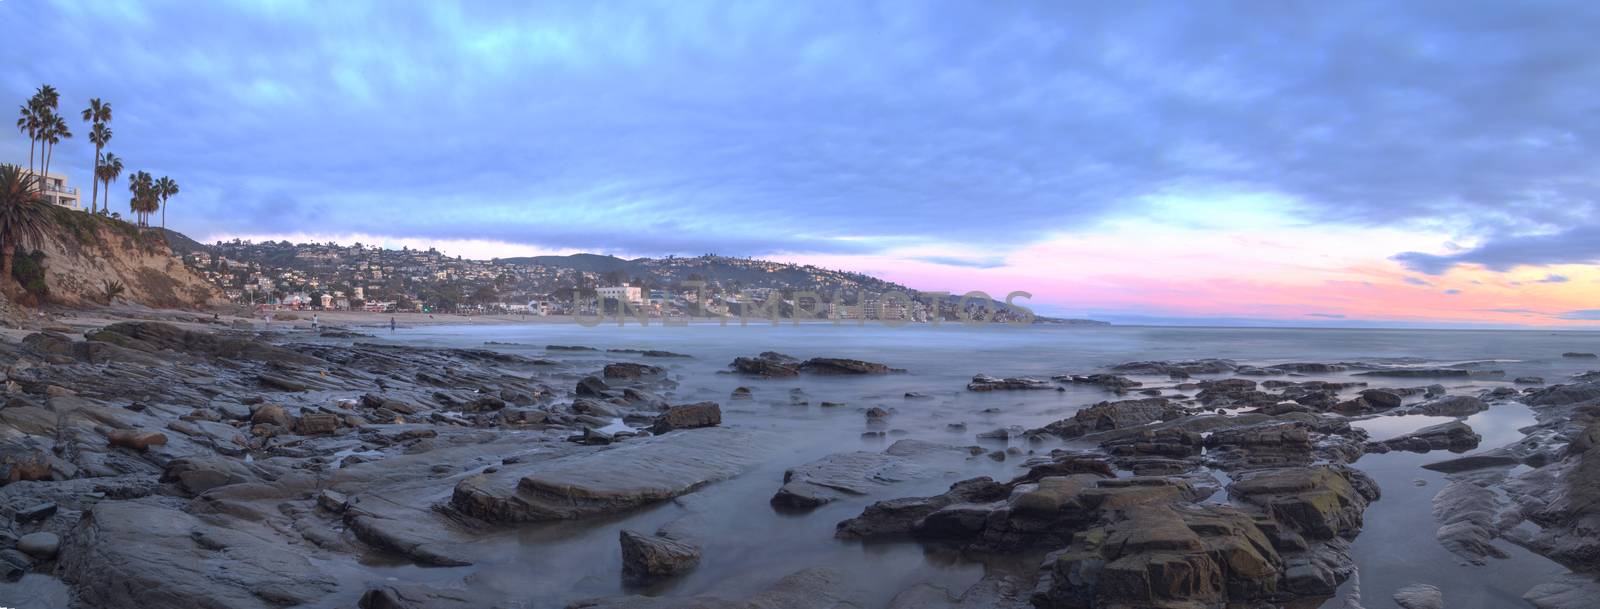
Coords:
pixel 279 275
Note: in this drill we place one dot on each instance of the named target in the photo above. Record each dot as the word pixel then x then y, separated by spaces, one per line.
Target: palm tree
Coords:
pixel 28 122
pixel 99 113
pixel 56 129
pixel 44 103
pixel 144 195
pixel 110 170
pixel 21 215
pixel 100 134
pixel 165 188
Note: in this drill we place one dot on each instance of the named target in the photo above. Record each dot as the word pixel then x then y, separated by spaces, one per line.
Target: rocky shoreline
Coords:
pixel 144 464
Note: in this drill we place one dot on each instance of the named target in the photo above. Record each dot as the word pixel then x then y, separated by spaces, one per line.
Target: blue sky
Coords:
pixel 956 142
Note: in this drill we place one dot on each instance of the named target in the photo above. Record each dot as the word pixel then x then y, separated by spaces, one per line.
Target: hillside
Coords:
pixel 82 252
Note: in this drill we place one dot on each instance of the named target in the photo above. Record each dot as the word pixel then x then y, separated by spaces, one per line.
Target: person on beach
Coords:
pixel 315 324
pixel 391 324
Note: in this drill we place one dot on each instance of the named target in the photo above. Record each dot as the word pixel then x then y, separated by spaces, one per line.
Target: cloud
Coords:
pixel 1553 278
pixel 1326 315
pixel 1577 245
pixel 1418 281
pixel 1581 314
pixel 1452 292
pixel 813 123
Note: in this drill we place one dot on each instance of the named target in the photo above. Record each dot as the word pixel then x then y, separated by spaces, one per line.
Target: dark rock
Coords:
pixel 593 387
pixel 1454 436
pixel 626 370
pixel 767 365
pixel 1106 416
pixel 688 416
pixel 741 393
pixel 831 365
pixel 1381 399
pixel 984 382
pixel 649 557
pixel 36 512
pixel 1579 355
pixel 1453 406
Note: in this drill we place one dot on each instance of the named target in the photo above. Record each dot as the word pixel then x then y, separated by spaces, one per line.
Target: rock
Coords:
pixel 984 382
pixel 593 387
pixel 877 414
pixel 1453 406
pixel 1419 596
pixel 1106 416
pixel 36 512
pixel 164 557
pixel 628 475
pixel 282 383
pixel 858 473
pixel 649 557
pixel 42 545
pixel 1320 502
pixel 20 462
pixel 899 517
pixel 1579 355
pixel 317 423
pixel 1309 368
pixel 1567 591
pixel 1112 382
pixel 832 365
pixel 1177 369
pixel 741 393
pixel 1381 399
pixel 198 474
pixel 333 501
pixel 136 439
pixel 625 370
pixel 1466 513
pixel 1454 436
pixel 1528 380
pixel 688 416
pixel 272 415
pixel 767 365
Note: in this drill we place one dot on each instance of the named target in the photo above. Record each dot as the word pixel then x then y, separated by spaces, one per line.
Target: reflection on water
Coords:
pixel 747 545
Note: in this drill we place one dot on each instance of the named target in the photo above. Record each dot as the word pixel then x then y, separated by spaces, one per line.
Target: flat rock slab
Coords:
pixel 633 474
pixel 859 473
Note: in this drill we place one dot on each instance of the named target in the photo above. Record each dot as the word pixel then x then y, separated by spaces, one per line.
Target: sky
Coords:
pixel 1302 163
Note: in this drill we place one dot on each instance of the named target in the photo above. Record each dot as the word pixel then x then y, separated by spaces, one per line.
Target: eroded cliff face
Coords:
pixel 83 252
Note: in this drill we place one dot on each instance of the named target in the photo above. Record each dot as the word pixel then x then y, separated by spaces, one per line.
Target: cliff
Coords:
pixel 83 252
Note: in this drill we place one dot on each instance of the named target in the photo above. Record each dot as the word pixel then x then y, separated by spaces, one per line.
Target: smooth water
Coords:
pixel 747 545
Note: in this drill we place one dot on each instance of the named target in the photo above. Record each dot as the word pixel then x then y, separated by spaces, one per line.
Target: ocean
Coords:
pixel 748 545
